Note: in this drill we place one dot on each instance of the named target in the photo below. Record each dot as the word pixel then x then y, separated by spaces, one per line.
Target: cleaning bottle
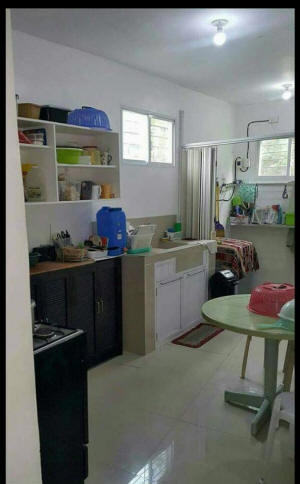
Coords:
pixel 279 220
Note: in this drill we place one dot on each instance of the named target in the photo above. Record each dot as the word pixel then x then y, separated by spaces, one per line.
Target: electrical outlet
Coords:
pixel 274 120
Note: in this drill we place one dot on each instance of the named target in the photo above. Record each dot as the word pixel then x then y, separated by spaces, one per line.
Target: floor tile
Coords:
pixel 188 454
pixel 161 418
pixel 125 438
pixel 103 474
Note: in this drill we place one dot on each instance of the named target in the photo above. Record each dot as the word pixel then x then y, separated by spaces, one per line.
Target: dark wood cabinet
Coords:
pixel 88 297
pixel 82 304
pixel 108 321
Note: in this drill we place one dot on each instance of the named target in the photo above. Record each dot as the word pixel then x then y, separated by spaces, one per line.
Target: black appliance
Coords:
pixel 47 252
pixel 61 393
pixel 223 283
pixel 55 114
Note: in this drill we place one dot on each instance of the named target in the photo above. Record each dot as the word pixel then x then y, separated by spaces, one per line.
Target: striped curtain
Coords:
pixel 197 192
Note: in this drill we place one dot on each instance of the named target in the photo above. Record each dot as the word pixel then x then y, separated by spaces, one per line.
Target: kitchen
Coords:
pixel 121 293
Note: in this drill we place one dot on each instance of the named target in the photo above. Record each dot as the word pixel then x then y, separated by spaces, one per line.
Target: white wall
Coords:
pixel 22 439
pixel 49 73
pixel 284 110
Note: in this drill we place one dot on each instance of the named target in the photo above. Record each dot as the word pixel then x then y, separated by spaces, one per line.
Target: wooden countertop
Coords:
pixel 48 266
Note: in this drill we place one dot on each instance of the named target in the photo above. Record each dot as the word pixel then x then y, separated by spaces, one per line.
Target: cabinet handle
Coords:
pixel 169 282
pixel 102 305
pixel 98 307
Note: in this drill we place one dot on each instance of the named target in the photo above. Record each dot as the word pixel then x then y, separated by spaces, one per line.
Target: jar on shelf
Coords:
pixel 94 153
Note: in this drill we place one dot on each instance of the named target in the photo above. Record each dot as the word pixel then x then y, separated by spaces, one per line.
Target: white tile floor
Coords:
pixel 161 418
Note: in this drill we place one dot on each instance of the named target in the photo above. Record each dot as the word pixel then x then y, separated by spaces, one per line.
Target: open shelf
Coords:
pixel 78 165
pixel 41 147
pixel 103 200
pixel 44 156
pixel 63 127
pixel 274 226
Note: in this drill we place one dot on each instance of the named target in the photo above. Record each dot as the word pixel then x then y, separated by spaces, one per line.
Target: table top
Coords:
pixel 231 312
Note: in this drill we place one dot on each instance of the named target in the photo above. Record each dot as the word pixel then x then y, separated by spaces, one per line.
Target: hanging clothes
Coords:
pixel 197 192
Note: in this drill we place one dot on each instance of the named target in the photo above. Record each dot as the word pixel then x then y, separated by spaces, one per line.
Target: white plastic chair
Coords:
pixel 283 409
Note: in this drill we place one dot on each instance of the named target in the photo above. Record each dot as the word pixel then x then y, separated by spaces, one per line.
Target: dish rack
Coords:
pixel 141 240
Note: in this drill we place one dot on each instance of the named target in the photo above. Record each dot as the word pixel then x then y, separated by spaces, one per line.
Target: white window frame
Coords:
pixel 149 163
pixel 276 178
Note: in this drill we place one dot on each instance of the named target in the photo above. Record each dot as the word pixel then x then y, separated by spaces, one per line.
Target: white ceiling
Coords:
pixel 176 44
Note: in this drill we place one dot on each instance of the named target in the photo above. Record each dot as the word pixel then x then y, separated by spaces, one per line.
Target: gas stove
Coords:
pixel 46 334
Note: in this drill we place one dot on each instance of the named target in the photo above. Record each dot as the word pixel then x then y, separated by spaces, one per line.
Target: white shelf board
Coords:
pixel 71 165
pixel 69 201
pixel 274 226
pixel 25 145
pixel 68 127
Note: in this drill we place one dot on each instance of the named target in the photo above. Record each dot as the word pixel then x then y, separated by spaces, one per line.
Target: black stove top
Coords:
pixel 45 334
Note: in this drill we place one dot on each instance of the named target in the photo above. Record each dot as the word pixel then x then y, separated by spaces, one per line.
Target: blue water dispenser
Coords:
pixel 111 223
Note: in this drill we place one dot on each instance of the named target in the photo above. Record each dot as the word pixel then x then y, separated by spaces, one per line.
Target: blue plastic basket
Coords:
pixel 90 118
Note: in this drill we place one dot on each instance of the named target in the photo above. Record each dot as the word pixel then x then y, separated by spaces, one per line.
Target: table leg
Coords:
pixel 262 404
pixel 289 367
pixel 271 368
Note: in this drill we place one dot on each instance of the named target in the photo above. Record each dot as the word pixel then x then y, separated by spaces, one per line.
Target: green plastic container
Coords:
pixel 289 219
pixel 177 227
pixel 69 156
pixel 139 251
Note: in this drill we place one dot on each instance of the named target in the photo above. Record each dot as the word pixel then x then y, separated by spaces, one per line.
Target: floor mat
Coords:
pixel 198 336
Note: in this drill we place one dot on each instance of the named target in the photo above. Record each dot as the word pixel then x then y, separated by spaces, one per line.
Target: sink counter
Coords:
pixel 177 245
pixel 138 288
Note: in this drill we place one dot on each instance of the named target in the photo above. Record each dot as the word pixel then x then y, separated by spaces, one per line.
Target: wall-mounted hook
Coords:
pixel 285 193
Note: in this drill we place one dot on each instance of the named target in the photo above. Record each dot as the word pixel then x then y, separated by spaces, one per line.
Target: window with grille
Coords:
pixel 277 157
pixel 147 138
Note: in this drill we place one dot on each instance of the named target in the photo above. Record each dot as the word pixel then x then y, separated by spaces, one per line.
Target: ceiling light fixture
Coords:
pixel 220 36
pixel 286 95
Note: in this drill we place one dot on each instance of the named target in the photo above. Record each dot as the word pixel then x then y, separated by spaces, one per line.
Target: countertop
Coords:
pixel 49 266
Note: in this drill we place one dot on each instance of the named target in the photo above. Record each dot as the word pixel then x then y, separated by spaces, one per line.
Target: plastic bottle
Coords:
pixel 279 220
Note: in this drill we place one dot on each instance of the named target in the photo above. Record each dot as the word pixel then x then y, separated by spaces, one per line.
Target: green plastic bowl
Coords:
pixel 68 156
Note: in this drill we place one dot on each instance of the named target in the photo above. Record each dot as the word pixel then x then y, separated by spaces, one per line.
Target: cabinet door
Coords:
pixel 167 309
pixel 82 305
pixel 108 328
pixel 194 294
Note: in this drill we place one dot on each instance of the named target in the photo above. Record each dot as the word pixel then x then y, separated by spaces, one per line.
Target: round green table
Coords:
pixel 231 312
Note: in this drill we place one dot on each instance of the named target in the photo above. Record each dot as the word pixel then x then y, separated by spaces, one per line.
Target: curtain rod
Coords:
pixel 203 144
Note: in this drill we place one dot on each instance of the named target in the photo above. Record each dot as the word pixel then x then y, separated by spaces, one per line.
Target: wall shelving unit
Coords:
pixel 273 226
pixel 59 134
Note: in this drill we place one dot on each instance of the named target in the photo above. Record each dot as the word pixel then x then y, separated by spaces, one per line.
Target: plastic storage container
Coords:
pixel 111 223
pixel 36 135
pixel 29 110
pixel 55 114
pixel 267 299
pixel 90 118
pixel 70 156
pixel 289 219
